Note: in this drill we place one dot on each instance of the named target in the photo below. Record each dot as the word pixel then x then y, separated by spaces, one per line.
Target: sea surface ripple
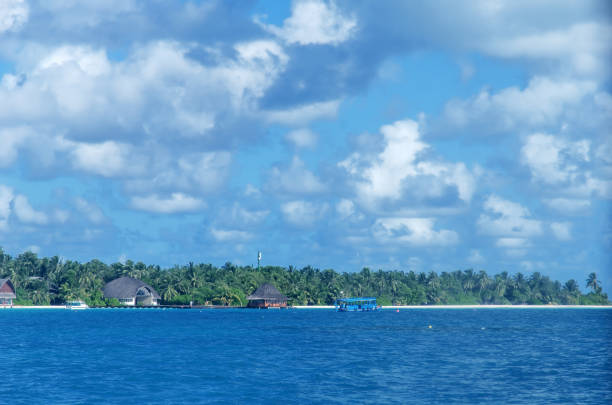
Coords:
pixel 156 356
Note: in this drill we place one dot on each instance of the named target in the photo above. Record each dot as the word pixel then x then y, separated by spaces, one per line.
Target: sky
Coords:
pixel 397 135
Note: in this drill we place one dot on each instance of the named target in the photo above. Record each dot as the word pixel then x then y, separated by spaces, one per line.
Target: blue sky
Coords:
pixel 339 134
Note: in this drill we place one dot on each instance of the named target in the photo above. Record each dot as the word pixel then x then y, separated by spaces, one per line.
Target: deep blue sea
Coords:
pixel 154 356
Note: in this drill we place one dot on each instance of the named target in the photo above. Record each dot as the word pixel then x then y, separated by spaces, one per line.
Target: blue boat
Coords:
pixel 358 304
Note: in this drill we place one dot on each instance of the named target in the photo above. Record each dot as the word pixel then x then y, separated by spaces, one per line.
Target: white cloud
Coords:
pixel 10 140
pixel 6 197
pixel 177 203
pixel 412 231
pixel 166 171
pixel 90 61
pixel 456 175
pixel 303 213
pixel 107 159
pixel 400 169
pixel 82 15
pixel 259 64
pixel 250 191
pixel 61 216
pixel 541 104
pixel 345 208
pixel 25 213
pixel 561 230
pixel 508 220
pixel 303 114
pixel 513 243
pixel 314 22
pixel 557 162
pixel 225 235
pixel 475 257
pixel 247 217
pixel 208 170
pixel 158 87
pixel 295 179
pixel 13 15
pixel 551 160
pixel 90 210
pixel 568 206
pixel 302 138
pixel 583 47
pixel 396 162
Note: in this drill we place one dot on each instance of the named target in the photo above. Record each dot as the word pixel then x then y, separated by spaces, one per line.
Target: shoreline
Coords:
pixel 33 307
pixel 496 306
pixel 385 307
pixel 466 306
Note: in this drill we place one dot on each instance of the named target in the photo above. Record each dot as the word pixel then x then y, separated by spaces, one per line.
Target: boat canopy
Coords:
pixel 356 304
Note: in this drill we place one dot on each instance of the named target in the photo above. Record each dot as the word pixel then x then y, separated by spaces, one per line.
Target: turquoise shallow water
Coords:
pixel 515 356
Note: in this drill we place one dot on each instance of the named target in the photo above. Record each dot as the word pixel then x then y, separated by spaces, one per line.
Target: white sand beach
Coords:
pixel 33 307
pixel 467 306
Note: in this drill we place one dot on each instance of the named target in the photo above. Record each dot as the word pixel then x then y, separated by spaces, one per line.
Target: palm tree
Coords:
pixel 194 276
pixel 40 297
pixel 593 283
pixel 571 291
pixel 483 280
pixel 468 284
pixel 169 293
pixel 500 285
pixel 571 286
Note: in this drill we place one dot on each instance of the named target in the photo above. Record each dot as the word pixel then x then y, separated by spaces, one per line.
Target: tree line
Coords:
pixel 51 280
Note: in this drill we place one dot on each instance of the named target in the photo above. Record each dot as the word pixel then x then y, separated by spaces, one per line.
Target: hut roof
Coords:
pixel 267 291
pixel 7 289
pixel 126 287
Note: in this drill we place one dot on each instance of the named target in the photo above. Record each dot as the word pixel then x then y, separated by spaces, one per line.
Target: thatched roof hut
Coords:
pixel 266 296
pixel 131 291
pixel 7 292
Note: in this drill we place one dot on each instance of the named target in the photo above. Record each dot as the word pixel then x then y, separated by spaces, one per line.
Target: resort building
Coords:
pixel 7 292
pixel 267 296
pixel 130 291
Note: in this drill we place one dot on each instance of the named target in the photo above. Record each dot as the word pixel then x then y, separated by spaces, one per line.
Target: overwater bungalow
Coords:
pixel 7 292
pixel 131 292
pixel 267 296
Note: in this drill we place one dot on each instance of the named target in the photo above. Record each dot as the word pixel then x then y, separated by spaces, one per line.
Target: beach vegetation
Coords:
pixel 51 280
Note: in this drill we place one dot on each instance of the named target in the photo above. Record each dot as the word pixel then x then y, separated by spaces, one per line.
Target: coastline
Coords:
pixel 34 307
pixel 467 306
pixel 384 307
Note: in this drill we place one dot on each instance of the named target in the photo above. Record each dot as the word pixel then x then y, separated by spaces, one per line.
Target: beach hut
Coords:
pixel 267 296
pixel 130 291
pixel 7 292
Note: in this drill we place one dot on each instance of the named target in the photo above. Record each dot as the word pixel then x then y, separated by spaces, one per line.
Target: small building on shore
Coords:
pixel 131 292
pixel 267 296
pixel 7 292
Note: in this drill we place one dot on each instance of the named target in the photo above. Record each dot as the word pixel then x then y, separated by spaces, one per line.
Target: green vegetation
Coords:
pixel 42 281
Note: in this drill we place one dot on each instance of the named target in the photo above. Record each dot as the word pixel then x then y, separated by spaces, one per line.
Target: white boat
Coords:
pixel 78 304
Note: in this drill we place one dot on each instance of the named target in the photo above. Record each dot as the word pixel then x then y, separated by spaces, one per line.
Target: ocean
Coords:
pixel 166 356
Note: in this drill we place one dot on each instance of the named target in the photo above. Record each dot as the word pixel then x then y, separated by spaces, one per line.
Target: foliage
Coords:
pixel 54 281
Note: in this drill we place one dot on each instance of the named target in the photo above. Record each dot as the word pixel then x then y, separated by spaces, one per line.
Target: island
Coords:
pixel 54 281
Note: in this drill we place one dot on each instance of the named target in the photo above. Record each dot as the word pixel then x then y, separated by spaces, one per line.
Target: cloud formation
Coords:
pixel 289 132
pixel 314 22
pixel 509 222
pixel 175 203
pixel 402 170
pixel 13 15
pixel 412 231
